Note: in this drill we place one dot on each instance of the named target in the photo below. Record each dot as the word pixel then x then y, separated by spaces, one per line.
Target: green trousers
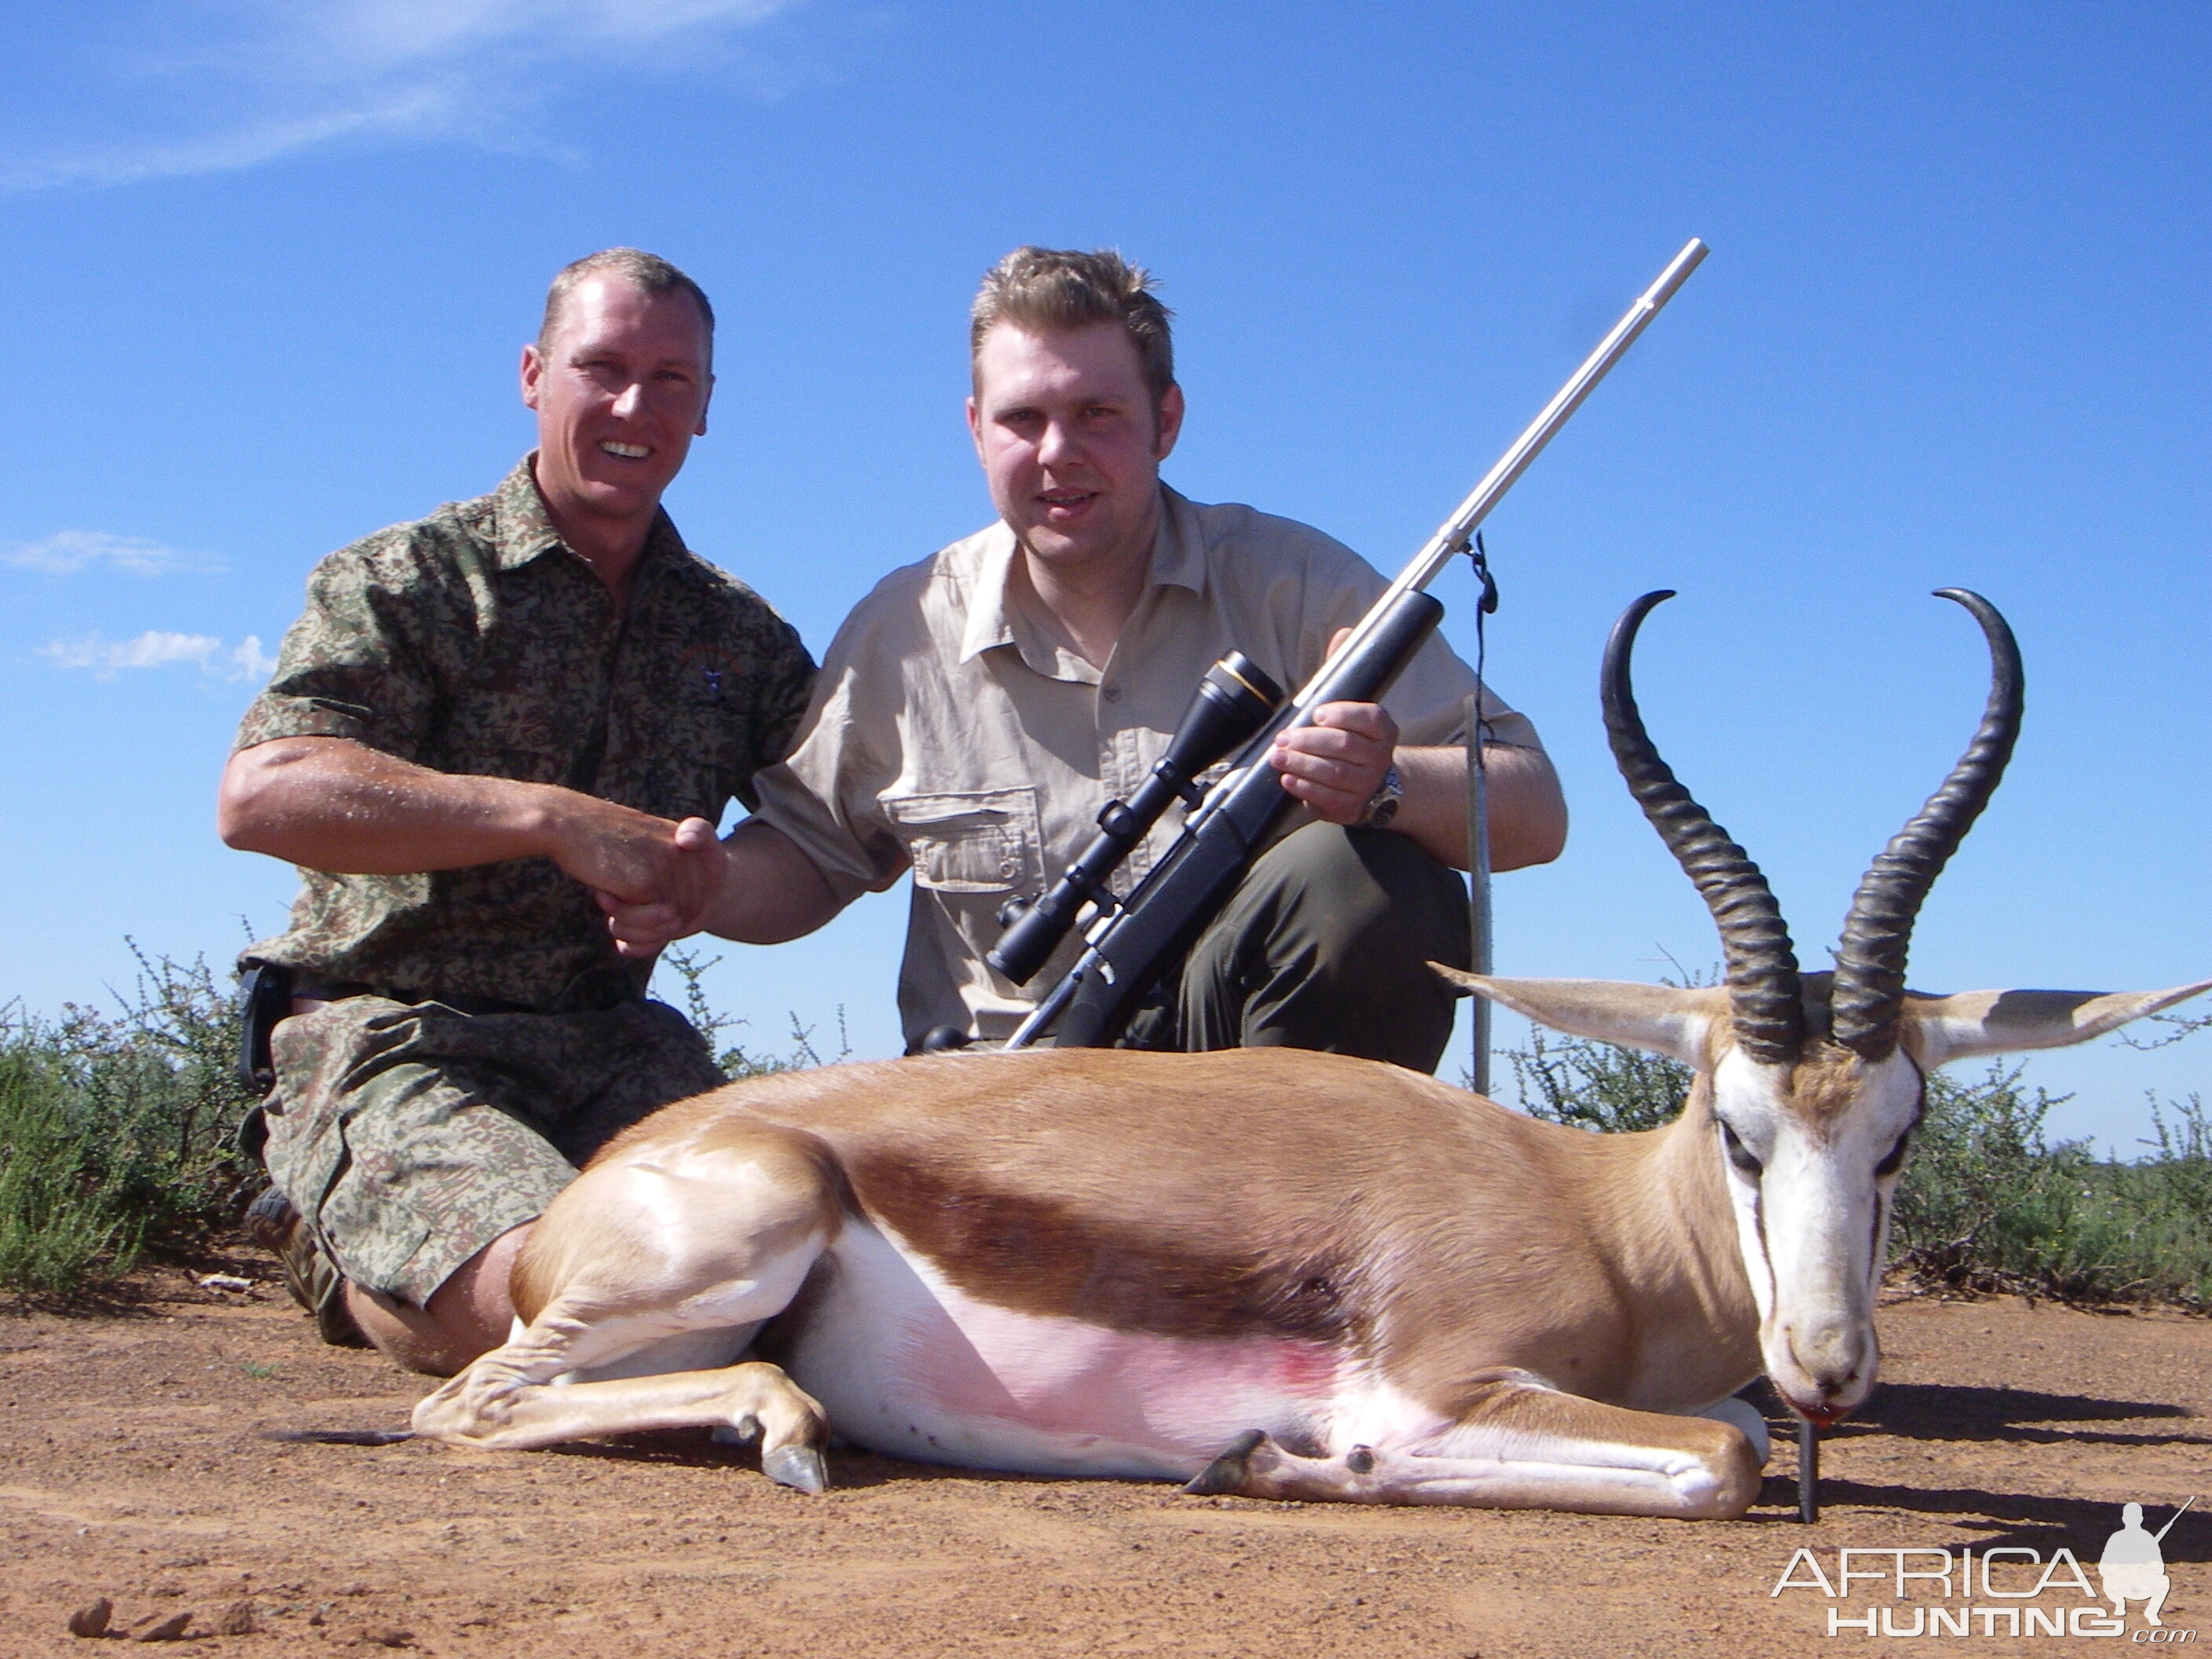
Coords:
pixel 1325 945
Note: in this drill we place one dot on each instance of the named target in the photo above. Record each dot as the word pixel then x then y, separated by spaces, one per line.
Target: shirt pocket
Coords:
pixel 984 840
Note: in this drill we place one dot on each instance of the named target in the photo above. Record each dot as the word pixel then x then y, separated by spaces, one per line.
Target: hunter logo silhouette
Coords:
pixel 2133 1566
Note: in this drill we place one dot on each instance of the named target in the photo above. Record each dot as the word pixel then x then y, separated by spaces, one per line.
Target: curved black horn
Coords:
pixel 1762 970
pixel 1870 963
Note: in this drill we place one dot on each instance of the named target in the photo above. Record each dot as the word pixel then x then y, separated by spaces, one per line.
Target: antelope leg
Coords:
pixel 792 1426
pixel 1520 1446
pixel 640 1252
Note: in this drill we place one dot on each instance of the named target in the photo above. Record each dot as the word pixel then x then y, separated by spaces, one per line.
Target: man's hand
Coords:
pixel 1336 764
pixel 655 886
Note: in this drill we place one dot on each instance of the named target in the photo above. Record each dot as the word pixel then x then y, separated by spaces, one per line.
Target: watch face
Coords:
pixel 1383 806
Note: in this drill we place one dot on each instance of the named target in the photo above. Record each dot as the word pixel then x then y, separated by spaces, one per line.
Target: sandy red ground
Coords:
pixel 132 1467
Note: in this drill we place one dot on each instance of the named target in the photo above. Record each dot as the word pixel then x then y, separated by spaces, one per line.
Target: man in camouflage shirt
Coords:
pixel 490 729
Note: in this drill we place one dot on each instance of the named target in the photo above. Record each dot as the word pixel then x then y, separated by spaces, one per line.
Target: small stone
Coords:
pixel 239 1619
pixel 92 1621
pixel 389 1636
pixel 169 1629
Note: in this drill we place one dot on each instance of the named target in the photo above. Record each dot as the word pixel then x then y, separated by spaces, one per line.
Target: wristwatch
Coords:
pixel 1382 805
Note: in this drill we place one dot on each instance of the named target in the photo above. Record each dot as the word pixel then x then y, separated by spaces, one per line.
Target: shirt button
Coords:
pixel 1111 693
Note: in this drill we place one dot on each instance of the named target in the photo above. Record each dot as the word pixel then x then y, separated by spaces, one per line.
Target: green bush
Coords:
pixel 737 1061
pixel 1986 1204
pixel 115 1131
pixel 1597 1085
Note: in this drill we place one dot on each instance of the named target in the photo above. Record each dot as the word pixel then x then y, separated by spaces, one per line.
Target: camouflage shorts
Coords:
pixel 410 1136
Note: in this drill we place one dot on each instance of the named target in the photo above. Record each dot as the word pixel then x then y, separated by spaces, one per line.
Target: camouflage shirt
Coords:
pixel 474 641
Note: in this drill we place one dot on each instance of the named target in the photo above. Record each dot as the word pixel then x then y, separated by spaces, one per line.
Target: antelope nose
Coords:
pixel 1836 1357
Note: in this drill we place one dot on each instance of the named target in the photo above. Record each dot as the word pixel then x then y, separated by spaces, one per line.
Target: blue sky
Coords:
pixel 271 264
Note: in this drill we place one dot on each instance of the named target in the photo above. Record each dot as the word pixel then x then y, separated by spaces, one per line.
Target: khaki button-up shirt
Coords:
pixel 952 735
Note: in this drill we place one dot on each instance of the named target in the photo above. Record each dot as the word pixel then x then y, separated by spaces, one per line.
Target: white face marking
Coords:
pixel 1812 1206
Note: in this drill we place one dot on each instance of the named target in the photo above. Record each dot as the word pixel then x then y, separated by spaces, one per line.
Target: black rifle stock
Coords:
pixel 1132 947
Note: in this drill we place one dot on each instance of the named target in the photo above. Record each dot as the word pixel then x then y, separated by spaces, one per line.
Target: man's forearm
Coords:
pixel 334 804
pixel 1528 813
pixel 771 892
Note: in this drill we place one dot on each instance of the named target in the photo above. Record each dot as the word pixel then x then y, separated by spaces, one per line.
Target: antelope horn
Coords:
pixel 1762 971
pixel 1870 963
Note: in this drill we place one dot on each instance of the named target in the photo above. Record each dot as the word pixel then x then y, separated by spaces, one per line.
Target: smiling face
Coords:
pixel 1072 444
pixel 621 389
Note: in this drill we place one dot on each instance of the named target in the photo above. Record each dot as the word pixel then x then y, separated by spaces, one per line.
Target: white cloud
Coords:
pixel 68 551
pixel 154 648
pixel 248 661
pixel 287 75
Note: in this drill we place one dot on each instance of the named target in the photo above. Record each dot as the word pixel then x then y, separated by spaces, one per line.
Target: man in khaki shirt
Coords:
pixel 978 709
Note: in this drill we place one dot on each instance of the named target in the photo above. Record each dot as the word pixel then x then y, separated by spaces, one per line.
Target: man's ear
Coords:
pixel 700 430
pixel 533 371
pixel 1167 422
pixel 976 426
pixel 1666 1019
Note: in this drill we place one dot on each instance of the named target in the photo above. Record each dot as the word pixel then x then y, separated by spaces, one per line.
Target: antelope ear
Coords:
pixel 1664 1018
pixel 1939 1029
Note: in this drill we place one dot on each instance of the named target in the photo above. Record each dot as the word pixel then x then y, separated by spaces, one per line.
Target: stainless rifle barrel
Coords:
pixel 1452 536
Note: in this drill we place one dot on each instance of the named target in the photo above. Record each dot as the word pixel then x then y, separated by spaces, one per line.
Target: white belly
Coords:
pixel 907 1365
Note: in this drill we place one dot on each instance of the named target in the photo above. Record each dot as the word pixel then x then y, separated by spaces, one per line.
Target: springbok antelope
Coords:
pixel 1287 1274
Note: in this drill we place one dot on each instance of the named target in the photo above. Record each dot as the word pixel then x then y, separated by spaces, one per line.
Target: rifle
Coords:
pixel 1132 945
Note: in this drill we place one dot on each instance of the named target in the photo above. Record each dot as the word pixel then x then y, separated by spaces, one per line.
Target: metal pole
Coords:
pixel 1809 1472
pixel 1478 883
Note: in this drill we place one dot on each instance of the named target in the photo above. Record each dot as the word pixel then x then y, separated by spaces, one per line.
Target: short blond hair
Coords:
pixel 1043 288
pixel 649 271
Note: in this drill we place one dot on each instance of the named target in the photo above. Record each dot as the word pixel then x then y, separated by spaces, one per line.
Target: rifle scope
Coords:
pixel 1231 703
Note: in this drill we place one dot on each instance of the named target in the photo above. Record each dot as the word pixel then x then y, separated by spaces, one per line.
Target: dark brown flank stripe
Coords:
pixel 1038 1255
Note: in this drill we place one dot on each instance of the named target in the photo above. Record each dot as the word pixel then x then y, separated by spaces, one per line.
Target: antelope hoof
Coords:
pixel 1227 1474
pixel 800 1468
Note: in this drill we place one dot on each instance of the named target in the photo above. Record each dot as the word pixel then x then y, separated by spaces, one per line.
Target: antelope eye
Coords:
pixel 1894 1160
pixel 1740 1155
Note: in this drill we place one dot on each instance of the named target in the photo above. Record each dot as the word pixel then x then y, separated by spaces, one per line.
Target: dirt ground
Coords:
pixel 133 1468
